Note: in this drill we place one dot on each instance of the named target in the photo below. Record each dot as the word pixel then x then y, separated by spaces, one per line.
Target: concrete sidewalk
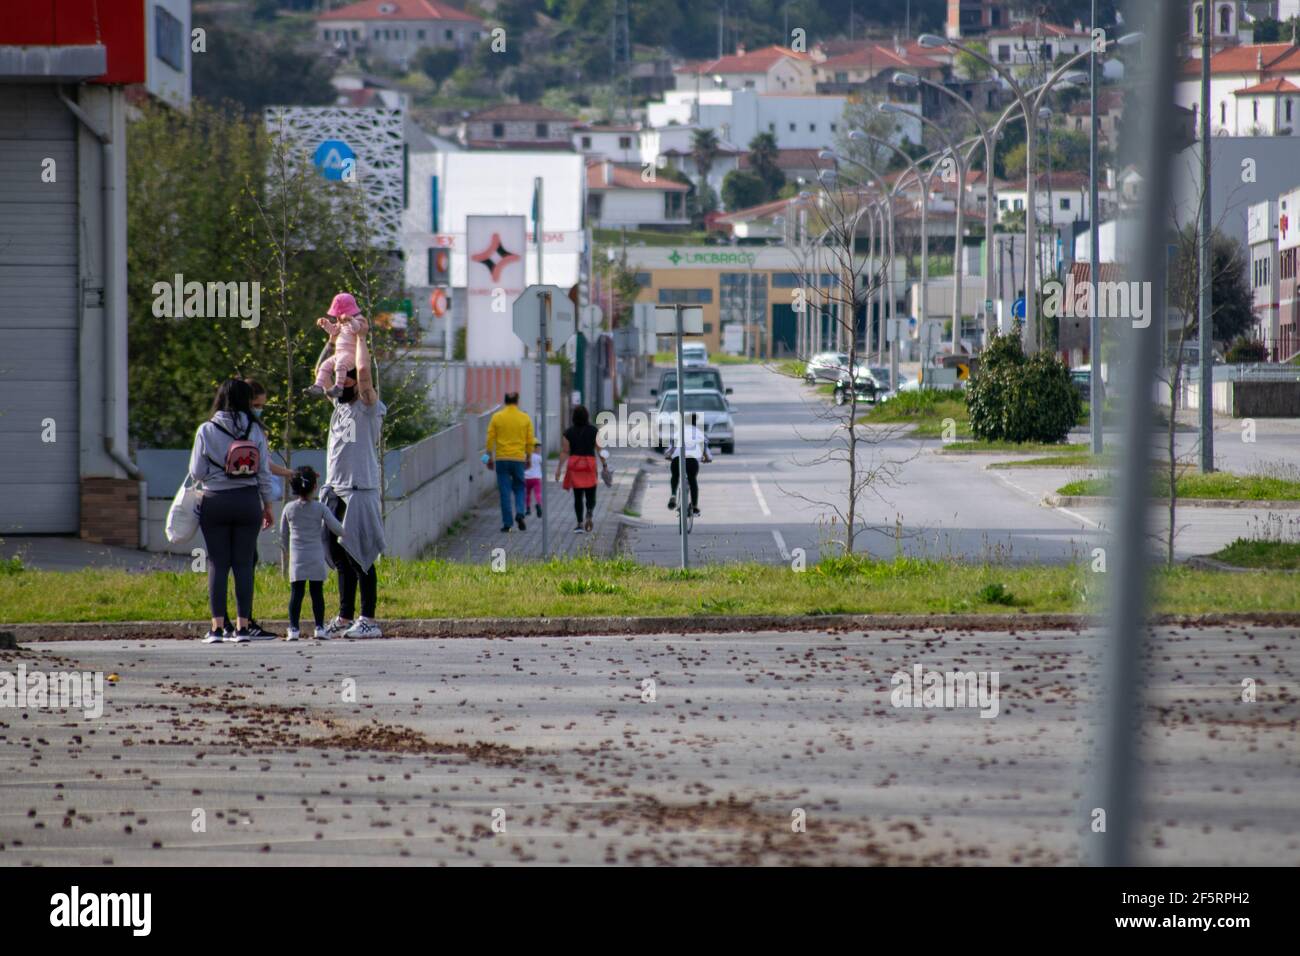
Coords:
pixel 479 533
pixel 68 553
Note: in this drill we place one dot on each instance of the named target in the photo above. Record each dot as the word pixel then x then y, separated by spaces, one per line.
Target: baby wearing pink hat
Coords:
pixel 344 332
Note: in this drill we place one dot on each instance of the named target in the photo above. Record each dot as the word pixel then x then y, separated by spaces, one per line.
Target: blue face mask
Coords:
pixel 257 413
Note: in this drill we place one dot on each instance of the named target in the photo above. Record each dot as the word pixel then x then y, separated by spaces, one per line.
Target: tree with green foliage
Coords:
pixel 763 164
pixel 437 63
pixel 742 189
pixel 1230 283
pixel 866 116
pixel 1019 398
pixel 212 198
pixel 253 70
pixel 1069 151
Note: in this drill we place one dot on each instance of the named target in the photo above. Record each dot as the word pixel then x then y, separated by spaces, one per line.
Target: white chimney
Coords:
pixel 608 172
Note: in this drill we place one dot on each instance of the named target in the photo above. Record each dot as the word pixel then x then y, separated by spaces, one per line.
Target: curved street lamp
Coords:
pixel 1030 101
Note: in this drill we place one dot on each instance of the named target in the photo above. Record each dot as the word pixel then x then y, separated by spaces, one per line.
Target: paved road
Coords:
pixel 779 492
pixel 258 744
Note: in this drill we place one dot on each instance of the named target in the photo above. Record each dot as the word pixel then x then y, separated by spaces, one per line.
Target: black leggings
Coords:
pixel 584 493
pixel 296 591
pixel 351 575
pixel 692 471
pixel 230 522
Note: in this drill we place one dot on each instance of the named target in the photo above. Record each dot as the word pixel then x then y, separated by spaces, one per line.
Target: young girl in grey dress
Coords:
pixel 301 532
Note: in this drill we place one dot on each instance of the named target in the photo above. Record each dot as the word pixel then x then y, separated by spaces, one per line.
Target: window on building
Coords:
pixel 1288 110
pixel 749 84
pixel 1065 202
pixel 167 39
pixel 1286 266
pixel 448 34
pixel 1225 19
pixel 356 34
pixel 742 296
pixel 586 142
pixel 419 34
pixel 834 127
pixel 1200 20
pixel 1020 204
pixel 498 130
pixel 792 127
pixel 708 327
pixel 771 127
pixel 1223 114
pixel 812 127
pixel 841 77
pixel 1254 104
pixel 674 205
pixel 543 131
pixel 785 280
pixel 642 279
pixel 1004 53
pixel 625 142
pixel 685 296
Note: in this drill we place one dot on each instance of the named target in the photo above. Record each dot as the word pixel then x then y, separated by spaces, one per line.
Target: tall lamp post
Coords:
pixel 960 163
pixel 1030 101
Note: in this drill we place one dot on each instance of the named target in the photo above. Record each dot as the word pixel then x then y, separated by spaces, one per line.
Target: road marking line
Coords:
pixel 780 545
pixel 758 493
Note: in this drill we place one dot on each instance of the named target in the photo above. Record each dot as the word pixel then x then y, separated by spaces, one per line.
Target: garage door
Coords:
pixel 38 314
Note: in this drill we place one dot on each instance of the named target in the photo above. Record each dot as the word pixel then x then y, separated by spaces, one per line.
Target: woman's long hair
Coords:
pixel 581 417
pixel 234 395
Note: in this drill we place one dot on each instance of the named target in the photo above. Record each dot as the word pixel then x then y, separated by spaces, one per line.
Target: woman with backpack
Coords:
pixel 231 462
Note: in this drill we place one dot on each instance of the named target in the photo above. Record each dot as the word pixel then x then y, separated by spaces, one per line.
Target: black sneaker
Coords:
pixel 672 503
pixel 505 529
pixel 214 636
pixel 254 632
pixel 227 629
pixel 519 520
pixel 695 511
pixel 538 509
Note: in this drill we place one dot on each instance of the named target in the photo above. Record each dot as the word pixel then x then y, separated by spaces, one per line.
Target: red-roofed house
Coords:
pixel 773 69
pixel 1110 111
pixel 395 30
pixel 626 196
pixel 1253 90
pixel 871 67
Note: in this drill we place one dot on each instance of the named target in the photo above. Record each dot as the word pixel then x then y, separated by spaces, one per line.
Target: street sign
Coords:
pixel 692 321
pixel 963 372
pixel 988 306
pixel 560 326
pixel 896 329
pixel 335 159
pixel 438 302
pixel 1018 308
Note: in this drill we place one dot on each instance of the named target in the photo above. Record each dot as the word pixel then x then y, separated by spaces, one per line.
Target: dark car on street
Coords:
pixel 707 377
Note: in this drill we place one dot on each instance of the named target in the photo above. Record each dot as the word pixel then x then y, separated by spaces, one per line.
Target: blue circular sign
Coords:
pixel 1018 309
pixel 335 159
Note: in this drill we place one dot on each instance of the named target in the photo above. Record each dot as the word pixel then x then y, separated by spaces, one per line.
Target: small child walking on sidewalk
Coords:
pixel 346 324
pixel 302 535
pixel 533 480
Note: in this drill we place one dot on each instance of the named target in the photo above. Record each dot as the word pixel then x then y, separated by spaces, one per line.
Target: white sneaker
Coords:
pixel 322 634
pixel 363 628
pixel 214 637
pixel 291 634
pixel 336 628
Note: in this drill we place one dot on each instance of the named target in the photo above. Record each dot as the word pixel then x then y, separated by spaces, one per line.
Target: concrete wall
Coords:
pixel 428 486
pixel 1241 399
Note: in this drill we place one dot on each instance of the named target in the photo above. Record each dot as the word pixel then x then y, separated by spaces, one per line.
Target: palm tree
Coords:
pixel 762 162
pixel 704 150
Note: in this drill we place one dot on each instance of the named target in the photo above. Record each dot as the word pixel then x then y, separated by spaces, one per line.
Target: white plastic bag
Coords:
pixel 183 515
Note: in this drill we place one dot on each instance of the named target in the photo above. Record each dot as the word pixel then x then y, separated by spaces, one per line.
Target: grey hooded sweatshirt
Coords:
pixel 207 459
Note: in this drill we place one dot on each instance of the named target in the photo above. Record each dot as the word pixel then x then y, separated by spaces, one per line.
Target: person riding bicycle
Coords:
pixel 695 447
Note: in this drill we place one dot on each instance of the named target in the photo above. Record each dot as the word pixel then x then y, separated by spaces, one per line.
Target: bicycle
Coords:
pixel 684 486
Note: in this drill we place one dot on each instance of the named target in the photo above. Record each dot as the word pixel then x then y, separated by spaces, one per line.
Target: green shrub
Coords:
pixel 589 586
pixel 1245 350
pixel 995 594
pixel 1021 398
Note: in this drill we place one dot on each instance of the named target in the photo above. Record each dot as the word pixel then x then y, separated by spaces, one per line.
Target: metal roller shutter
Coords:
pixel 38 314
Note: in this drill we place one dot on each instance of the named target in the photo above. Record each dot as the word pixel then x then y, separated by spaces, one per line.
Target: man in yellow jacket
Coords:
pixel 509 443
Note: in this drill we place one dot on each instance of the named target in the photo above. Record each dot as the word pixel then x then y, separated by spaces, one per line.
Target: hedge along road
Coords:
pixel 776 495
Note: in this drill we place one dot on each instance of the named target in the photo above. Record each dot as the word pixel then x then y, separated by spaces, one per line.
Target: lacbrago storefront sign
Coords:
pixel 708 258
pixel 495 247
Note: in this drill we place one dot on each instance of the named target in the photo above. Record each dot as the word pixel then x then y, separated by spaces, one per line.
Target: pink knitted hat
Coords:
pixel 343 305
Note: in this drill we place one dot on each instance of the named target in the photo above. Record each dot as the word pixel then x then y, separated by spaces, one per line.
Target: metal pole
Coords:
pixel 541 352
pixel 1094 231
pixel 1031 228
pixel 681 434
pixel 1206 264
pixel 1115 770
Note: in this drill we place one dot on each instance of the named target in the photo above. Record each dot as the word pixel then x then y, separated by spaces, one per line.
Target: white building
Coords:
pixel 633 197
pixel 1261 237
pixel 619 143
pixel 797 121
pixel 444 188
pixel 773 69
pixel 671 146
pixel 1034 42
pixel 1064 203
pixel 1254 90
pixel 396 30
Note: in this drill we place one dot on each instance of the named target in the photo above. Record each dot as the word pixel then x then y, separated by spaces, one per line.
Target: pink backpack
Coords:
pixel 242 457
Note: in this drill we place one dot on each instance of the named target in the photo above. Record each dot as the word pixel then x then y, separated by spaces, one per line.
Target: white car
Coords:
pixel 694 353
pixel 713 413
pixel 826 367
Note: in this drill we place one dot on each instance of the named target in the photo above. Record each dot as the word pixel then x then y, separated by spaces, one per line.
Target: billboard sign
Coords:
pixel 495 249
